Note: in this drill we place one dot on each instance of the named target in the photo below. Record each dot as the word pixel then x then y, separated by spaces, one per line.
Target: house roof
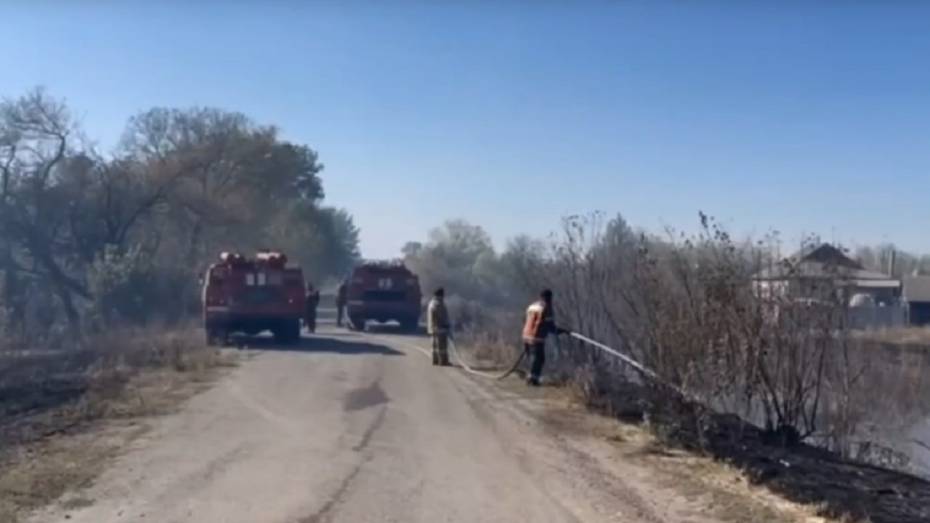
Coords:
pixel 829 255
pixel 813 269
pixel 917 288
pixel 826 261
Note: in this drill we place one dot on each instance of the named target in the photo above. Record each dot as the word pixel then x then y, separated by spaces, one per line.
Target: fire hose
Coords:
pixel 623 357
pixel 637 366
pixel 467 368
pixel 644 371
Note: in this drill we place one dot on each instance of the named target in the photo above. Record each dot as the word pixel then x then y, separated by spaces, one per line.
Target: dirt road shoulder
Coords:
pixel 623 460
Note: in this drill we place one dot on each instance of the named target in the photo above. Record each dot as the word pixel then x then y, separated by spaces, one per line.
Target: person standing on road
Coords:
pixel 341 299
pixel 540 323
pixel 438 327
pixel 311 302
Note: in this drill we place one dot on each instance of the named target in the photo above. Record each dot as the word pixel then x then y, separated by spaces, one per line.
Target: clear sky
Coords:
pixel 512 114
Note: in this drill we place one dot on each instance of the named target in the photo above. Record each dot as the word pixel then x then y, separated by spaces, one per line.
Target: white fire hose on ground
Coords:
pixel 470 370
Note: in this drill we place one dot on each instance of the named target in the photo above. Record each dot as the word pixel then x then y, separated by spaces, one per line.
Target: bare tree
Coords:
pixel 37 141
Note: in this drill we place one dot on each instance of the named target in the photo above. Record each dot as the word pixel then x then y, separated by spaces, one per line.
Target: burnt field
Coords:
pixel 43 393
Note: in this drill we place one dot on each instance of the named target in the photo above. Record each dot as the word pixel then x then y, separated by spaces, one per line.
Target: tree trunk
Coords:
pixel 67 302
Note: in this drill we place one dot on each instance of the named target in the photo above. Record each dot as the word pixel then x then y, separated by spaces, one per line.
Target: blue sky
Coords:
pixel 771 115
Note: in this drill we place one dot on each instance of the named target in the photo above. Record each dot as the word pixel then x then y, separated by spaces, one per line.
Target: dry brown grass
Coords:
pixel 52 433
pixel 724 491
pixel 915 337
pixel 732 461
pixel 825 484
pixel 486 346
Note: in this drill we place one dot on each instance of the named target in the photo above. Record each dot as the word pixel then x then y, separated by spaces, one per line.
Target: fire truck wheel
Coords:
pixel 410 325
pixel 215 337
pixel 288 332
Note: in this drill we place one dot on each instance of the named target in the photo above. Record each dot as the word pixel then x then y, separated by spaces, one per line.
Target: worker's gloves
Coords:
pixel 560 331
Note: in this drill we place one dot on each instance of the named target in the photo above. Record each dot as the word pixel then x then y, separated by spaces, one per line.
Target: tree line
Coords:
pixel 891 260
pixel 89 239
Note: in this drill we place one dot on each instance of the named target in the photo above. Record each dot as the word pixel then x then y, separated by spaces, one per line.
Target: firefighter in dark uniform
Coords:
pixel 311 302
pixel 438 327
pixel 540 323
pixel 341 299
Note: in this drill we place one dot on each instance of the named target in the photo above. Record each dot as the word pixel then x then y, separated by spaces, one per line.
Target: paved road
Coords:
pixel 355 427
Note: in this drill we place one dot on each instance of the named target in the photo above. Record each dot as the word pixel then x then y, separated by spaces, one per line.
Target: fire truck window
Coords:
pixel 274 278
pixel 250 279
pixel 261 278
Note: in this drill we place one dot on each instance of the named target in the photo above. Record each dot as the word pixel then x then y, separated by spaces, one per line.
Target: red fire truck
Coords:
pixel 251 296
pixel 383 291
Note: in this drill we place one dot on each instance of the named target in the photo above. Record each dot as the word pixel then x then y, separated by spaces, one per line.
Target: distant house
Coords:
pixel 804 274
pixel 917 295
pixel 873 298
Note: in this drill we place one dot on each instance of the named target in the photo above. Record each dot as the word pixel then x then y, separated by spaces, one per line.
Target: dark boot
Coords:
pixel 538 352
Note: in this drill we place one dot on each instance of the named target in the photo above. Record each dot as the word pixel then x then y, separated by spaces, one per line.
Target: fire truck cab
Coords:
pixel 383 291
pixel 251 296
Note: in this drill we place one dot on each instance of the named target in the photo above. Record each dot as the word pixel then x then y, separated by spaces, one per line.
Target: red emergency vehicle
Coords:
pixel 251 296
pixel 383 291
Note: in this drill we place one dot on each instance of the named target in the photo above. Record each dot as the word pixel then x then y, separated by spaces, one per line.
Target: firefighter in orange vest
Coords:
pixel 540 322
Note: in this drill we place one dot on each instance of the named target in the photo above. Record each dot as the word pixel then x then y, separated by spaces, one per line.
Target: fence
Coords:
pixel 867 317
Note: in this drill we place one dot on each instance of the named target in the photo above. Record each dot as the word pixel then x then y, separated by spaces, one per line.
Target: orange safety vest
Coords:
pixel 538 319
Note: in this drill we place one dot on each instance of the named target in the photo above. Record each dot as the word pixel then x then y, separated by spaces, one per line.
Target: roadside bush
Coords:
pixel 120 281
pixel 129 289
pixel 689 308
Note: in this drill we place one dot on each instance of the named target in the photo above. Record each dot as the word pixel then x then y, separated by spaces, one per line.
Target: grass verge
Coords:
pixel 732 459
pixel 836 488
pixel 53 439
